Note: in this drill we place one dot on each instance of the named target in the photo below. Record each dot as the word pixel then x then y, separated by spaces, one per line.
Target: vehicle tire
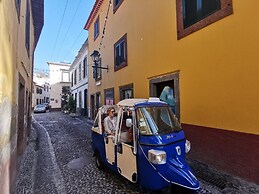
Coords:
pixel 181 190
pixel 98 161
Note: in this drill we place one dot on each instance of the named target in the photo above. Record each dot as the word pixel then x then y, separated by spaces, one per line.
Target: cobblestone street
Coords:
pixel 58 159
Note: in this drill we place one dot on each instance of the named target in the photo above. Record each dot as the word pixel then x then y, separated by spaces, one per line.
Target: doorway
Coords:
pixel 170 82
pixel 92 102
pixel 85 103
pixel 21 99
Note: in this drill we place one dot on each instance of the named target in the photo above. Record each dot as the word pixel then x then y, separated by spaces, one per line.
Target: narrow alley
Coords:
pixel 58 159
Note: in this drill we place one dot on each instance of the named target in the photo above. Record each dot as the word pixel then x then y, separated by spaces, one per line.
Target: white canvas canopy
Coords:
pixel 130 102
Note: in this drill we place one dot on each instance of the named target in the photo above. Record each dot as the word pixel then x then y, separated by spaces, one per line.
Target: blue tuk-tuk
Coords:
pixel 149 145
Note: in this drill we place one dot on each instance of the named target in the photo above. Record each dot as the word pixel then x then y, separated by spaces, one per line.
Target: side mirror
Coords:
pixel 128 123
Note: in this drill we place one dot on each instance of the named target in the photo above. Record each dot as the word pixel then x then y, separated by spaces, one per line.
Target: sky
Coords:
pixel 63 32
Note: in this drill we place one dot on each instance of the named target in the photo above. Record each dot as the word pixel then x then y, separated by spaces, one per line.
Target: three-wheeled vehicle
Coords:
pixel 149 145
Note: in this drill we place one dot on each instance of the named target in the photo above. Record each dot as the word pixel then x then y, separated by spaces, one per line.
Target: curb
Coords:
pixel 46 150
pixel 27 166
pixel 226 183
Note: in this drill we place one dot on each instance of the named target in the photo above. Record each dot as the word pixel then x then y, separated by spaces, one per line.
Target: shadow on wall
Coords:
pixel 8 108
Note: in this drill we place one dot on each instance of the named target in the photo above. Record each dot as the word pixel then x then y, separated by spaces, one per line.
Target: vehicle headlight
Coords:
pixel 157 156
pixel 187 146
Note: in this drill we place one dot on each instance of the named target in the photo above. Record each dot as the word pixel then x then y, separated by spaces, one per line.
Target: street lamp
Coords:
pixel 96 59
pixel 95 56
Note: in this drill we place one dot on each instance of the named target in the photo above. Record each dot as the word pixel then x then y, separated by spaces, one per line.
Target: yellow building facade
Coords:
pixel 20 26
pixel 208 55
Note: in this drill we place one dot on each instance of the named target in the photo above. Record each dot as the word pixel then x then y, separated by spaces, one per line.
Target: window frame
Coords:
pixel 18 8
pixel 123 88
pixel 123 64
pixel 98 70
pixel 80 71
pixel 116 7
pixel 226 10
pixel 85 67
pixel 96 34
pixel 72 79
pixel 27 28
pixel 98 100
pixel 75 76
pixel 175 77
pixel 106 91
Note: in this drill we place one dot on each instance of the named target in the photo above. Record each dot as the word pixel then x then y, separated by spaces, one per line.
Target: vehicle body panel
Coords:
pixel 40 108
pixel 130 156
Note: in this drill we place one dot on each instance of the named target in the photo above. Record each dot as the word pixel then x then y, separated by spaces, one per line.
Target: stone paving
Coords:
pixel 58 159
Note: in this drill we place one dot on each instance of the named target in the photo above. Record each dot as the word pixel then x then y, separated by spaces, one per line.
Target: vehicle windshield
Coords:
pixel 40 106
pixel 157 121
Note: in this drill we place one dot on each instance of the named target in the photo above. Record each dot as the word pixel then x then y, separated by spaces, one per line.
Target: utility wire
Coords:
pixel 104 26
pixel 71 47
pixel 103 32
pixel 59 29
pixel 62 43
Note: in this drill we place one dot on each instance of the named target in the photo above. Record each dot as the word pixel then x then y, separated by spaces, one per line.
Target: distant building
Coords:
pixel 21 23
pixel 40 94
pixel 79 80
pixel 41 89
pixel 58 80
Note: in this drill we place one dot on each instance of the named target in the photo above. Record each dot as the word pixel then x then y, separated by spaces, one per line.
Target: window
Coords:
pixel 72 80
pixel 80 71
pixel 85 67
pixel 75 77
pixel 18 7
pixel 157 120
pixel 97 71
pixel 64 76
pixel 193 15
pixel 39 91
pixel 27 27
pixel 96 28
pixel 116 5
pixel 80 99
pixel 109 96
pixel 98 100
pixel 120 53
pixel 76 99
pixel 126 91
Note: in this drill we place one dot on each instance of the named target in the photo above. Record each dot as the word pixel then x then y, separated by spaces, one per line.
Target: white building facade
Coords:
pixel 79 80
pixel 58 79
pixel 41 94
pixel 41 89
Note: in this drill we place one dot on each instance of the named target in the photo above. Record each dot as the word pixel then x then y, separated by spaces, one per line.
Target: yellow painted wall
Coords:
pixel 13 60
pixel 218 65
pixel 7 69
pixel 8 98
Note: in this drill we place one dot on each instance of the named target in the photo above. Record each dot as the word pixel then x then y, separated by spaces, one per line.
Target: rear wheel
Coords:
pixel 98 161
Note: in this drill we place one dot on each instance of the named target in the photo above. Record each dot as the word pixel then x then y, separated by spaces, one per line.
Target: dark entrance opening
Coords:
pixel 157 86
pixel 160 86
pixel 85 103
pixel 21 99
pixel 92 106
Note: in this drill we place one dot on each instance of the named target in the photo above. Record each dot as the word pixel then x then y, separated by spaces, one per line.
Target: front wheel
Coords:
pixel 181 190
pixel 98 161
